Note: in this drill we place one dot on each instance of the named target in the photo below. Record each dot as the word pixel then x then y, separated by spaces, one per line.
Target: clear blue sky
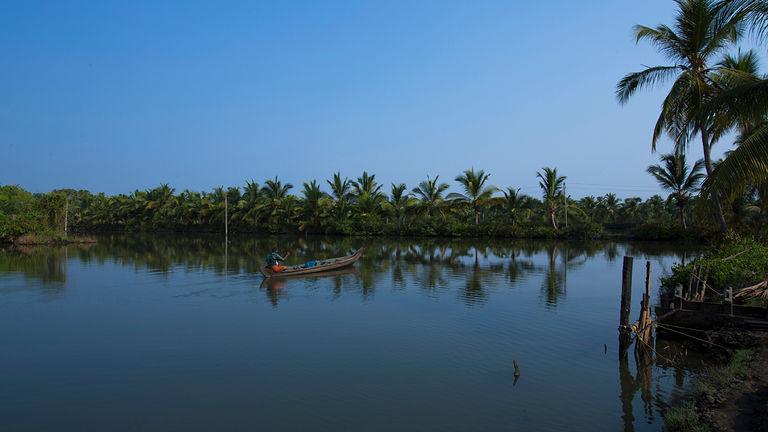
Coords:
pixel 114 96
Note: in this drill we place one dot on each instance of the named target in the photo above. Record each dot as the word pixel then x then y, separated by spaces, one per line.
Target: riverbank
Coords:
pixel 42 240
pixel 730 397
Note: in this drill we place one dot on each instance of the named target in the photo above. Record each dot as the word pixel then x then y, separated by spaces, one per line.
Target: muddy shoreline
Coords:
pixel 729 397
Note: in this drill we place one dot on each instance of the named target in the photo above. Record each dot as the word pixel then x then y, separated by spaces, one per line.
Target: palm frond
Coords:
pixel 648 77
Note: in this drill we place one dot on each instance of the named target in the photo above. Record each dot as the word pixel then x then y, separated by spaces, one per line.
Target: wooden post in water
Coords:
pixel 645 307
pixel 626 299
pixel 226 218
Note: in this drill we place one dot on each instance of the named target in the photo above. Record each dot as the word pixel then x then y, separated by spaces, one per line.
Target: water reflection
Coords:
pixel 425 263
pixel 45 264
pixel 441 319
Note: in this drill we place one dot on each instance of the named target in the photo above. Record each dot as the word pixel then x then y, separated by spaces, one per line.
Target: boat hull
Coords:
pixel 323 266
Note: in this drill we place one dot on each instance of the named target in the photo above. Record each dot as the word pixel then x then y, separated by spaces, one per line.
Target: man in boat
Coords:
pixel 273 261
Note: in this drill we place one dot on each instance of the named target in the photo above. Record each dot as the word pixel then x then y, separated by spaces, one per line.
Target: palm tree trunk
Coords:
pixel 708 166
pixel 682 217
pixel 552 218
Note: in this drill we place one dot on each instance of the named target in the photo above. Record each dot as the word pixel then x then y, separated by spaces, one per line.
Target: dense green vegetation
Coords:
pixel 736 262
pixel 22 213
pixel 360 207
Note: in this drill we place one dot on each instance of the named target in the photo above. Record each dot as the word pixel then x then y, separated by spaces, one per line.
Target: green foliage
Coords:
pixel 684 418
pixel 358 207
pixel 21 213
pixel 736 262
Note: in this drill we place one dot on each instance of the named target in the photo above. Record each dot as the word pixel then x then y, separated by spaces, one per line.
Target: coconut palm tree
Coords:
pixel 250 201
pixel 702 30
pixel 399 201
pixel 430 194
pixel 744 100
pixel 475 190
pixel 275 195
pixel 274 189
pixel 590 206
pixel 366 183
pixel 610 206
pixel 552 191
pixel 630 208
pixel 366 193
pixel 674 175
pixel 514 202
pixel 313 197
pixel 341 190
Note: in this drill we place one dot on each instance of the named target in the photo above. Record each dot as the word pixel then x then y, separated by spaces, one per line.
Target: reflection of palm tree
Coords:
pixel 518 270
pixel 473 290
pixel 553 279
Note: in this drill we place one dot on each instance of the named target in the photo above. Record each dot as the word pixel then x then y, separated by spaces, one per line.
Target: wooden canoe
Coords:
pixel 322 266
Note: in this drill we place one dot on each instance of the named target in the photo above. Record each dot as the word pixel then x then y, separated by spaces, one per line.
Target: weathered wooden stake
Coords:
pixel 517 368
pixel 626 299
pixel 645 307
pixel 226 218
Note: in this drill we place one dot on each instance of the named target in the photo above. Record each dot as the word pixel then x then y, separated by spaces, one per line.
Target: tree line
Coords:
pixel 361 206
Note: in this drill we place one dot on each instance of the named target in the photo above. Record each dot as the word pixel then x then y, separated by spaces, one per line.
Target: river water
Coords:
pixel 151 333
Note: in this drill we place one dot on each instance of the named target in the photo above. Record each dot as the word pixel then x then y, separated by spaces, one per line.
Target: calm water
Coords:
pixel 146 333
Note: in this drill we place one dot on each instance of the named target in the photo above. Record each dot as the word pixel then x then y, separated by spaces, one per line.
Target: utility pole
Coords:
pixel 66 214
pixel 565 204
pixel 226 218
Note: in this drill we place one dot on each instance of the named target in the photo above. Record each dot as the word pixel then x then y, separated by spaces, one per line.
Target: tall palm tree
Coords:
pixel 675 176
pixel 590 206
pixel 399 201
pixel 514 201
pixel 430 194
pixel 552 191
pixel 341 190
pixel 366 183
pixel 744 99
pixel 630 208
pixel 702 30
pixel 275 195
pixel 610 206
pixel 475 190
pixel 250 202
pixel 367 193
pixel 313 197
pixel 274 189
